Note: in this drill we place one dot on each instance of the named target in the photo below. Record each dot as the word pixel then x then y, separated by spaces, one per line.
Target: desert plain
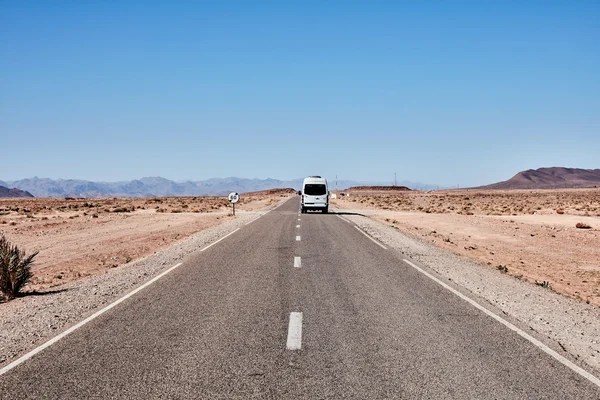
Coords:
pixel 82 237
pixel 548 237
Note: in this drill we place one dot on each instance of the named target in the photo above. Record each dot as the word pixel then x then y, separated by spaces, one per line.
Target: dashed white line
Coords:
pixel 82 323
pixel 213 243
pixel 297 262
pixel 294 338
pixel 297 238
pixel 297 226
pixel 374 241
pixel 513 328
pixel 298 219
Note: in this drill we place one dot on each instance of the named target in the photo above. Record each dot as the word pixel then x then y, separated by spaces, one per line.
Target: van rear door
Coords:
pixel 315 195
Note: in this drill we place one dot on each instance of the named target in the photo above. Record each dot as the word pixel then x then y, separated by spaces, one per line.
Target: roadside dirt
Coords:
pixel 81 237
pixel 520 233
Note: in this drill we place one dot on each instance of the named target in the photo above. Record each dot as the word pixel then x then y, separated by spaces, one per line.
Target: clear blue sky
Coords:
pixel 440 92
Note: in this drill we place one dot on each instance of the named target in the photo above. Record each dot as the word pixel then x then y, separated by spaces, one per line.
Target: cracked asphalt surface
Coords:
pixel 216 328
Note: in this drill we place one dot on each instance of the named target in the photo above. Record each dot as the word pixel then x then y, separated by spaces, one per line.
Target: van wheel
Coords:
pixel 303 210
pixel 325 210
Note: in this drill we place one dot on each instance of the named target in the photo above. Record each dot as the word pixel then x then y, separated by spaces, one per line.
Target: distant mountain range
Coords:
pixel 6 192
pixel 157 186
pixel 550 178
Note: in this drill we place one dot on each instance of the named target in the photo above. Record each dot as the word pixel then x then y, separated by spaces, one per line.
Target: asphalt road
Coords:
pixel 372 327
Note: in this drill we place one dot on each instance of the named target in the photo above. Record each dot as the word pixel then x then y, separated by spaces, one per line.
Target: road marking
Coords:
pixel 297 238
pixel 213 243
pixel 55 339
pixel 374 241
pixel 344 219
pixel 297 226
pixel 534 341
pixel 82 323
pixel 294 338
pixel 298 219
pixel 248 223
pixel 297 262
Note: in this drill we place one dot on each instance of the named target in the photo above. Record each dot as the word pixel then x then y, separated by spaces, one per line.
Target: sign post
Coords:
pixel 233 198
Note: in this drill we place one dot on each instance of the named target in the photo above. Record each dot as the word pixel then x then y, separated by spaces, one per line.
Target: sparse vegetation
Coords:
pixel 15 268
pixel 582 225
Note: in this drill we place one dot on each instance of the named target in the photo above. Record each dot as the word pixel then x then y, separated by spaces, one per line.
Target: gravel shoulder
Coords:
pixel 29 321
pixel 567 324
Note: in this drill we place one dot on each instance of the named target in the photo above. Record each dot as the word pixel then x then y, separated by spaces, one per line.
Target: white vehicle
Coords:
pixel 314 194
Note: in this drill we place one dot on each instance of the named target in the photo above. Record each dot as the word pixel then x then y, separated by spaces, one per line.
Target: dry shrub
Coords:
pixel 15 268
pixel 560 211
pixel 582 225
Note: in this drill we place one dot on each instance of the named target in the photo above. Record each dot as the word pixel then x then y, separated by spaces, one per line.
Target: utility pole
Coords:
pixel 336 183
pixel 394 179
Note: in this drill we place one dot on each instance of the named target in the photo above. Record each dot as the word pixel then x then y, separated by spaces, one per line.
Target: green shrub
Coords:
pixel 15 268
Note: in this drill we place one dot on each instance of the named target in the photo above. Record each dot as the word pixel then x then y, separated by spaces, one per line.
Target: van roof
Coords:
pixel 315 179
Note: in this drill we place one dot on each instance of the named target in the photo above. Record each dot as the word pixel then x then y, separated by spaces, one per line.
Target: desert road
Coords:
pixel 295 306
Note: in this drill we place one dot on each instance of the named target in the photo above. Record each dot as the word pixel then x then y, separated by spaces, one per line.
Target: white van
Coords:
pixel 314 194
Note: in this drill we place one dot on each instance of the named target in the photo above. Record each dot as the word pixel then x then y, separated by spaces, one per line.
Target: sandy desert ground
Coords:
pixel 81 237
pixel 529 234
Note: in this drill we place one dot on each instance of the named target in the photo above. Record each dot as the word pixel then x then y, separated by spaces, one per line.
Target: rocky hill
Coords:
pixel 6 192
pixel 550 178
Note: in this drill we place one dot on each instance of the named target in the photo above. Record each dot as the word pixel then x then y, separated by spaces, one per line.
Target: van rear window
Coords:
pixel 315 189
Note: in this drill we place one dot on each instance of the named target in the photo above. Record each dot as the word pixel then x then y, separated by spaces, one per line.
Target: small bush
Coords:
pixel 15 268
pixel 581 225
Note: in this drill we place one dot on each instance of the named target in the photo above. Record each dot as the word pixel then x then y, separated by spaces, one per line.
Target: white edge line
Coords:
pixel 251 221
pixel 213 243
pixel 82 323
pixel 55 339
pixel 344 219
pixel 294 338
pixel 512 327
pixel 374 241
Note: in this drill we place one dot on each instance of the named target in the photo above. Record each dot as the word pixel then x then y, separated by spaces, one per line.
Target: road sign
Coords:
pixel 233 197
